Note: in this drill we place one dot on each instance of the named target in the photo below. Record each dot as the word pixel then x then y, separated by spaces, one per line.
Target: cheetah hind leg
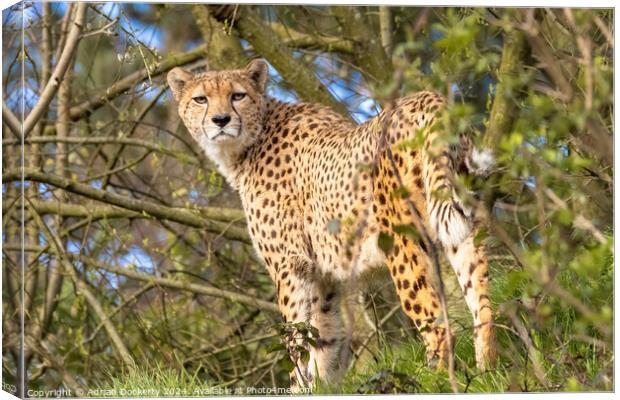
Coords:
pixel 408 266
pixel 469 261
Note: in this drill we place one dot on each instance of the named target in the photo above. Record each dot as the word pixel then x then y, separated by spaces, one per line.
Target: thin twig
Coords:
pixel 183 285
pixel 105 29
pixel 83 288
pixel 605 30
pixel 579 221
pixel 129 300
pixel 129 81
pixel 533 353
pixel 226 348
pixel 372 334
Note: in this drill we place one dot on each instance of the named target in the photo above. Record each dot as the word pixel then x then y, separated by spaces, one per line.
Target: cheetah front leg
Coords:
pixel 470 264
pixel 303 298
pixel 326 358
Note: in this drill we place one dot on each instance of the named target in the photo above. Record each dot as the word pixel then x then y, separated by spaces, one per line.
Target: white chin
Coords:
pixel 224 138
pixel 228 134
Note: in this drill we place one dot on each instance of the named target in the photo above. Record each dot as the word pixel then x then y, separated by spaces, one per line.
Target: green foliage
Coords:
pixel 572 365
pixel 296 338
pixel 386 381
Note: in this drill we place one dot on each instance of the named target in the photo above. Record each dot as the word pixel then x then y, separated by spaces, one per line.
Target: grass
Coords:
pixel 398 369
pixel 403 369
pixel 567 364
pixel 156 381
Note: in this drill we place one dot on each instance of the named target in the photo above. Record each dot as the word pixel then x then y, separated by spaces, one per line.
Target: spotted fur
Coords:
pixel 319 192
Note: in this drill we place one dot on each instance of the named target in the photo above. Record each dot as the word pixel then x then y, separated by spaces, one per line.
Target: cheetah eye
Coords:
pixel 238 96
pixel 200 99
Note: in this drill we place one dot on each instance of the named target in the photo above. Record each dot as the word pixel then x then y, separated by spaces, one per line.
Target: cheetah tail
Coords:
pixel 478 161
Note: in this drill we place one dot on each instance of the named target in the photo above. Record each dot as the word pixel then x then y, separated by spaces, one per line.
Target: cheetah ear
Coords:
pixel 177 80
pixel 258 72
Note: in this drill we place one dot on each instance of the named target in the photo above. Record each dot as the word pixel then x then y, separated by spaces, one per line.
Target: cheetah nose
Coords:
pixel 221 120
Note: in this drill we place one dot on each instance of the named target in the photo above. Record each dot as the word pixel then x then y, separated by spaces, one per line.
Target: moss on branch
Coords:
pixel 268 44
pixel 503 109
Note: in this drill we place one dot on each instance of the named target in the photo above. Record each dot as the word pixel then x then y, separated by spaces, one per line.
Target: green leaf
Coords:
pixel 565 216
pixel 276 346
pixel 286 364
pixel 401 193
pixel 480 236
pixel 305 357
pixel 385 242
pixel 407 230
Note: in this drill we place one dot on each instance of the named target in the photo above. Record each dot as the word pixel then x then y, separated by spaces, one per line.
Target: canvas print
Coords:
pixel 217 199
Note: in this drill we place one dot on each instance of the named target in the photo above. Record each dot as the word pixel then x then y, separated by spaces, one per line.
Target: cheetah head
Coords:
pixel 223 110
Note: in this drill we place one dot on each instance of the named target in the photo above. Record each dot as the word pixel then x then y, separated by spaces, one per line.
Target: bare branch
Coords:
pixel 12 122
pixel 46 43
pixel 580 221
pixel 134 296
pixel 369 51
pixel 54 362
pixel 224 50
pixel 385 24
pixel 91 299
pixel 542 51
pixel 204 352
pixel 147 144
pixel 64 30
pixel 55 276
pixel 605 30
pixel 597 141
pixel 128 82
pixel 96 212
pixel 372 334
pixel 300 40
pixel 58 75
pixel 184 285
pixel 180 215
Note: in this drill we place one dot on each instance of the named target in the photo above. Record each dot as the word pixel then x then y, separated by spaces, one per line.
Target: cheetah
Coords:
pixel 321 193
